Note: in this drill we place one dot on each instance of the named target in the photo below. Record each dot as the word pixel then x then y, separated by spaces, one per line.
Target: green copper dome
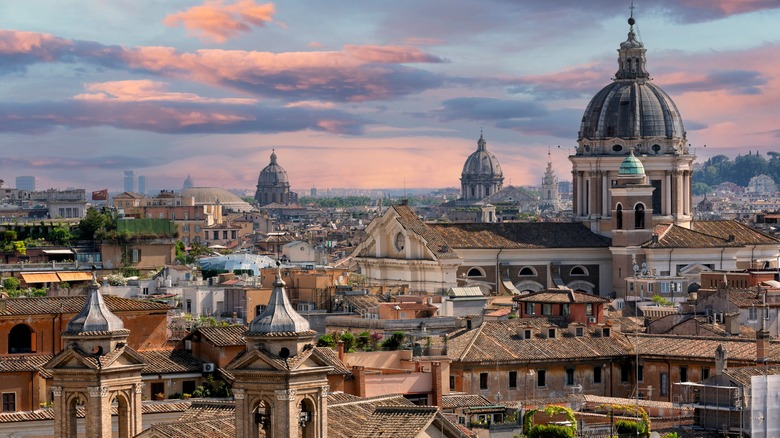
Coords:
pixel 631 166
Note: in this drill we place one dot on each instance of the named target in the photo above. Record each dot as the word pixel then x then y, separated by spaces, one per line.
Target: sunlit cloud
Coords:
pixel 147 91
pixel 219 21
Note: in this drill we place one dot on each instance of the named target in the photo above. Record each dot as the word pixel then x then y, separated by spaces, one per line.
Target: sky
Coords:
pixel 356 93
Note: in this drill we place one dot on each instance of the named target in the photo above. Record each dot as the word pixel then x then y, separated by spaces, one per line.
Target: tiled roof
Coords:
pixel 520 235
pixel 464 400
pixel 697 347
pixel 748 298
pixel 169 361
pixel 213 427
pixel 148 407
pixel 329 357
pixel 52 305
pixel 409 306
pixel 360 303
pixel 743 234
pixel 560 296
pixel 742 375
pixel 227 336
pixel 345 418
pixel 498 341
pixel 675 236
pixel 433 240
pixel 397 421
pixel 24 363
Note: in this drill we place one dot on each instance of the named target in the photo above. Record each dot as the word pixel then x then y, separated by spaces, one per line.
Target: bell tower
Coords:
pixel 280 387
pixel 95 372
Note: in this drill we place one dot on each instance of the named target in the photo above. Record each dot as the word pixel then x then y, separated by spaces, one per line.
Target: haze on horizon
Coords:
pixel 357 94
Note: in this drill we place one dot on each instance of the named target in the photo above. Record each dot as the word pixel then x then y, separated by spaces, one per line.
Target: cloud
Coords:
pixel 485 108
pixel 219 21
pixel 181 117
pixel 60 163
pixel 354 74
pixel 731 81
pixel 147 91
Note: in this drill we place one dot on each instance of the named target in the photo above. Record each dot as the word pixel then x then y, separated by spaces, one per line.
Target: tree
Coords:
pixel 11 284
pixel 94 223
pixel 394 342
pixel 60 235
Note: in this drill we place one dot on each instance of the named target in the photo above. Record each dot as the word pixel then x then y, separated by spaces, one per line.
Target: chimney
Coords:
pixel 437 384
pixel 340 345
pixel 721 358
pixel 732 324
pixel 762 345
pixel 360 380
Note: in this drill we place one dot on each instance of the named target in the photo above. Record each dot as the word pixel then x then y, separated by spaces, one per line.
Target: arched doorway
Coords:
pixel 20 339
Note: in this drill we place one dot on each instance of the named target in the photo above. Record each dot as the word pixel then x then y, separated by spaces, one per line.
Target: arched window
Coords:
pixel 578 270
pixel 475 272
pixel 527 271
pixel 619 217
pixel 21 340
pixel 639 217
pixel 473 191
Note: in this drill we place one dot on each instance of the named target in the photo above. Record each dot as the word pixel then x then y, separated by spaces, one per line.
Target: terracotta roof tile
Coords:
pixel 215 427
pixel 433 240
pixel 464 400
pixel 697 347
pixel 228 336
pixel 51 305
pixel 397 421
pixel 520 235
pixel 349 416
pixel 560 296
pixel 24 363
pixel 742 375
pixel 169 361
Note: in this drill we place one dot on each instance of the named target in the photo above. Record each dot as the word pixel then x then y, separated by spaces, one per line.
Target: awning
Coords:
pixel 74 276
pixel 42 277
pixel 772 283
pixel 57 251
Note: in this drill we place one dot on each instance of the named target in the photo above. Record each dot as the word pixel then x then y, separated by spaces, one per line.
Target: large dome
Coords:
pixel 210 195
pixel 481 163
pixel 273 174
pixel 631 112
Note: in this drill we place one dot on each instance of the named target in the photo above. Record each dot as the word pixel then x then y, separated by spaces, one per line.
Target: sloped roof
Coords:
pixel 51 305
pixel 214 427
pixel 698 347
pixel 742 375
pixel 743 234
pixel 433 240
pixel 520 235
pixel 560 296
pixel 464 400
pixel 169 361
pixel 349 416
pixel 397 421
pixel 498 341
pixel 675 236
pixel 227 336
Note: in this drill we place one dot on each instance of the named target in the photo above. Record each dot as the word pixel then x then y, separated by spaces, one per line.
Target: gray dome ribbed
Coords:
pixel 94 316
pixel 273 174
pixel 482 163
pixel 279 316
pixel 631 107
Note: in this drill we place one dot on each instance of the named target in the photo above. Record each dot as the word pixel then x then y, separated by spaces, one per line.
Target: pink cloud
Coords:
pixel 219 21
pixel 145 91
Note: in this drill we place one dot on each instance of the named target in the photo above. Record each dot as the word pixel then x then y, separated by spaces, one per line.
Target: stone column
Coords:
pixel 678 205
pixel 580 185
pixel 98 421
pixel 60 413
pixel 667 193
pixel 605 210
pixel 285 417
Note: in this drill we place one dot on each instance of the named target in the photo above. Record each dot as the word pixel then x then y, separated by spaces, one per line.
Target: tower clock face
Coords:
pixel 400 242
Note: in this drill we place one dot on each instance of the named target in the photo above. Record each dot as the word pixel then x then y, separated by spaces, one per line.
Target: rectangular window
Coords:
pixel 546 309
pixel 625 373
pixel 528 334
pixel 158 390
pixel 188 387
pixel 541 378
pixel 569 376
pixel 641 373
pixel 589 309
pixel 136 255
pixel 753 314
pixel 224 235
pixel 513 379
pixel 9 402
pixel 579 332
pixel 705 373
pixel 656 183
pixel 683 374
pixel 664 383
pixel 565 311
pixel 530 309
pixel 233 234
pixel 452 383
pixel 551 333
pixel 596 374
pixel 483 380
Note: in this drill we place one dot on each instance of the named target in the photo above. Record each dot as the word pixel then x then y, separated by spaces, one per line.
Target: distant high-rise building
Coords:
pixel 25 183
pixel 142 184
pixel 129 180
pixel 313 192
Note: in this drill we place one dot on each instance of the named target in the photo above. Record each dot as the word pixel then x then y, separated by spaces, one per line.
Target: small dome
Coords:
pixel 211 195
pixel 631 166
pixel 482 163
pixel 279 316
pixel 95 315
pixel 273 174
